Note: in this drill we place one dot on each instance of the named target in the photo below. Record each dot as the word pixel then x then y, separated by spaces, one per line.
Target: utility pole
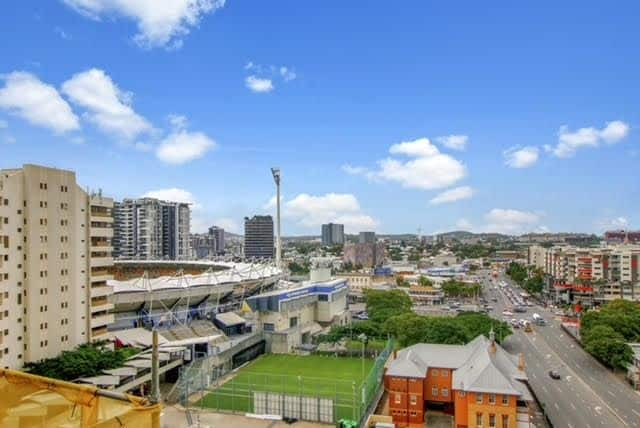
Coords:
pixel 276 177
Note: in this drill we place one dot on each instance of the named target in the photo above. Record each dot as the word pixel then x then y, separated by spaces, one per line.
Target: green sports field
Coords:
pixel 315 376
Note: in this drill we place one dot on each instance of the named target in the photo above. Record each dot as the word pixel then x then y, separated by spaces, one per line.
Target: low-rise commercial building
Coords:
pixel 291 317
pixel 479 383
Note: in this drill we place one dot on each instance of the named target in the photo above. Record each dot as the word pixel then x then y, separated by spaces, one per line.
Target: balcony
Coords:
pixel 102 320
pixel 99 333
pixel 102 307
pixel 101 262
pixel 102 232
pixel 104 290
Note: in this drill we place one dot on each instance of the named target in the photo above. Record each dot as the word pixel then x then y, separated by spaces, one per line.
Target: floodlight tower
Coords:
pixel 276 177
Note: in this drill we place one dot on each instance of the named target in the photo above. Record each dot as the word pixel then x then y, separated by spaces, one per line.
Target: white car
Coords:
pixel 507 313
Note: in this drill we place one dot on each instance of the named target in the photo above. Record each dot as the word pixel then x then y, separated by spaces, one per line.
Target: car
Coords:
pixel 507 313
pixel 494 299
pixel 553 374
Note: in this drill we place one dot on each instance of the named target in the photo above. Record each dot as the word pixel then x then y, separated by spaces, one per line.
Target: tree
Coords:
pixel 608 346
pixel 85 360
pixel 382 305
pixel 401 282
pixel 476 324
pixel 424 281
pixel 410 328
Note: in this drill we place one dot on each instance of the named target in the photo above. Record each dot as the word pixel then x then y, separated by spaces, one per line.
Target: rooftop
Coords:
pixel 477 366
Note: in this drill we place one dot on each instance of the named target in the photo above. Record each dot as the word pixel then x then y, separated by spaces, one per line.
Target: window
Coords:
pixel 492 398
pixel 479 398
pixel 268 326
pixel 505 400
pixel 445 373
pixel 434 372
pixel 434 391
pixel 492 421
pixel 323 297
pixel 398 398
pixel 505 421
pixel 479 420
pixel 445 392
pixel 414 399
pixel 293 321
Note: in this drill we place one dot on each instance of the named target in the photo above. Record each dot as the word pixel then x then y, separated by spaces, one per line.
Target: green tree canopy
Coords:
pixel 85 360
pixel 608 346
pixel 410 328
pixel 382 305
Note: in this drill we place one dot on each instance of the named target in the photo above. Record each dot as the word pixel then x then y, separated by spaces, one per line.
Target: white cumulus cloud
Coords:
pixel 107 106
pixel 160 22
pixel 40 104
pixel 524 157
pixel 181 147
pixel 455 142
pixel 258 85
pixel 570 142
pixel 311 211
pixel 452 195
pixel 510 221
pixel 427 168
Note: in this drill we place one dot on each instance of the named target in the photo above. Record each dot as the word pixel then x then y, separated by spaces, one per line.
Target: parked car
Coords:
pixel 553 374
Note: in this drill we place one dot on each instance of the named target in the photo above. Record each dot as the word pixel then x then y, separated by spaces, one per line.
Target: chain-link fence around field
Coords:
pixel 343 395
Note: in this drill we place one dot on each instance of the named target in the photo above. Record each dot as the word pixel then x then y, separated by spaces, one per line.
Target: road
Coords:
pixel 588 395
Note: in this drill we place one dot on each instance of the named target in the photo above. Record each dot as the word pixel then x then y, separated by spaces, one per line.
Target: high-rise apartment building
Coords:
pixel 367 238
pixel 148 228
pixel 55 253
pixel 207 245
pixel 332 234
pixel 258 237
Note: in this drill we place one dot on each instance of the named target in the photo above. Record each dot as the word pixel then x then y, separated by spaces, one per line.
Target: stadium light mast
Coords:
pixel 276 177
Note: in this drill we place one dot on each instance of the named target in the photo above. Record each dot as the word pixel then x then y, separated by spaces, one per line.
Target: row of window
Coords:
pixel 44 186
pixel 436 372
pixel 492 420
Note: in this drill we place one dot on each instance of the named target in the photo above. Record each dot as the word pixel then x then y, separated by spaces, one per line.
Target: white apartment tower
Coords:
pixel 151 229
pixel 55 254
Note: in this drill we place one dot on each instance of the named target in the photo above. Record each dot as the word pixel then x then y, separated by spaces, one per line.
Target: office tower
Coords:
pixel 332 234
pixel 367 238
pixel 151 229
pixel 55 255
pixel 217 234
pixel 207 245
pixel 258 237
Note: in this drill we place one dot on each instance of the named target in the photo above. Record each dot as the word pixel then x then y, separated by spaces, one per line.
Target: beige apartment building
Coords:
pixel 612 269
pixel 55 252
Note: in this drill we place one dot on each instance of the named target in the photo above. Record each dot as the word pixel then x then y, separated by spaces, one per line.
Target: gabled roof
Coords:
pixel 478 367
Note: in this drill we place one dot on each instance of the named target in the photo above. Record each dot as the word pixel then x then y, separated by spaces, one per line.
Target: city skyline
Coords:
pixel 425 125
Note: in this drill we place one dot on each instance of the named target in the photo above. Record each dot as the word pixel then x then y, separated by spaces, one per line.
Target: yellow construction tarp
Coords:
pixel 33 401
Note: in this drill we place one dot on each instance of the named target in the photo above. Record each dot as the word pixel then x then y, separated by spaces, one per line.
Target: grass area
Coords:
pixel 314 376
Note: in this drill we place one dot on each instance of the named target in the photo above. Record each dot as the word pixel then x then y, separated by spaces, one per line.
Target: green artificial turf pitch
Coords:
pixel 314 376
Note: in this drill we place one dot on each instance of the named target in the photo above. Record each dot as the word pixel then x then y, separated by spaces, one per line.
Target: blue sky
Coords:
pixel 385 116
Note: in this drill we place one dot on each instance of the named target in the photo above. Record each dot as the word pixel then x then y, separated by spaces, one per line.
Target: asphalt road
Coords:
pixel 588 395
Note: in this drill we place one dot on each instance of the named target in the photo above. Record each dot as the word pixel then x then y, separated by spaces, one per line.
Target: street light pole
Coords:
pixel 276 177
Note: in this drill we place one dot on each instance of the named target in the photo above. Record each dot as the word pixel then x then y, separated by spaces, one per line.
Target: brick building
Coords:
pixel 480 384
